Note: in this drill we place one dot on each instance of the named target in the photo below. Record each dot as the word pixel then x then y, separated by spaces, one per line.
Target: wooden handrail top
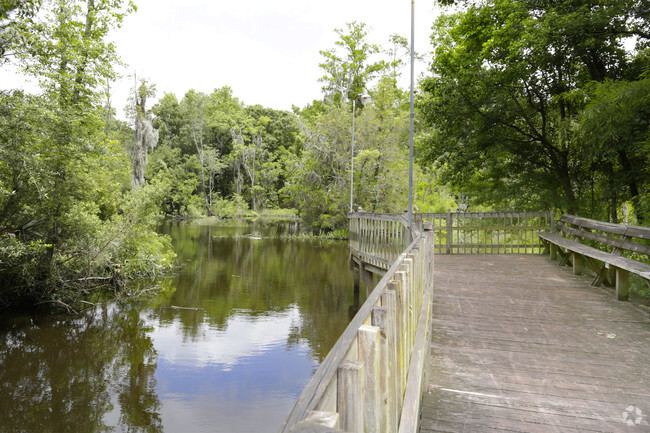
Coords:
pixel 397 217
pixel 469 215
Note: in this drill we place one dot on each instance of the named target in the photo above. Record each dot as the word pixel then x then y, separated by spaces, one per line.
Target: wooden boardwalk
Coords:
pixel 522 345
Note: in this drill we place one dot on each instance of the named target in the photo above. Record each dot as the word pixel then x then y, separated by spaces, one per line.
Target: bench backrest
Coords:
pixel 617 237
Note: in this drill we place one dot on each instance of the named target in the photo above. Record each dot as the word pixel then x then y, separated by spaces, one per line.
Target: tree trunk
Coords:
pixel 630 181
pixel 199 148
pixel 78 81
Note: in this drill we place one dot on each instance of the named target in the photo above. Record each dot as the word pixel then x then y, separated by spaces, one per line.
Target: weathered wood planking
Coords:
pixel 488 232
pixel 520 346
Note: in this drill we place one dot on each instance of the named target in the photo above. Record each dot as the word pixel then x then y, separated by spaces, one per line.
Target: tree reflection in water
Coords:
pixel 62 374
pixel 228 348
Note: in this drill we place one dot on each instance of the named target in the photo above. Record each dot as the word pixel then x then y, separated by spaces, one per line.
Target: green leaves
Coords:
pixel 510 81
pixel 67 49
pixel 615 126
pixel 66 209
pixel 348 68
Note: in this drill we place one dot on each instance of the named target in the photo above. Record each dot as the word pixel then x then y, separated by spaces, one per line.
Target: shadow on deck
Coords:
pixel 522 345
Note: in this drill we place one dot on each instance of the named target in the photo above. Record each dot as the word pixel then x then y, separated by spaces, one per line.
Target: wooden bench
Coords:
pixel 606 261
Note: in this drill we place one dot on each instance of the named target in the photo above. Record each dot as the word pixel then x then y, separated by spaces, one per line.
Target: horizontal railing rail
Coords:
pixel 371 379
pixel 488 232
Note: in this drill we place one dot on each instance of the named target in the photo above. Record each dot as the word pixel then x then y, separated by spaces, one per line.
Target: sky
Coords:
pixel 266 51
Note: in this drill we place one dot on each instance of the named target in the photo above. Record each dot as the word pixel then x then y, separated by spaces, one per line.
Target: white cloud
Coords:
pixel 244 336
pixel 267 51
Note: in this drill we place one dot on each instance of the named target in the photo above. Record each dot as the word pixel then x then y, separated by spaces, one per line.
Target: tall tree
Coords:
pixel 194 106
pixel 319 180
pixel 348 67
pixel 145 136
pixel 69 50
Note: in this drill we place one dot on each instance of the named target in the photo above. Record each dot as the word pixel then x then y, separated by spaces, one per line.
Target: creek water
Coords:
pixel 227 346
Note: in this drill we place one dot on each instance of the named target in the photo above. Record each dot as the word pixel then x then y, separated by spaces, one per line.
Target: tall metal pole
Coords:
pixel 352 155
pixel 410 210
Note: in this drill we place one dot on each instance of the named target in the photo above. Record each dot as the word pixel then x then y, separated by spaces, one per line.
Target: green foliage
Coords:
pixel 67 214
pixel 510 82
pixel 15 17
pixel 224 208
pixel 181 175
pixel 430 196
pixel 348 68
pixel 320 180
pixel 278 213
pixel 239 152
pixel 67 47
pixel 615 127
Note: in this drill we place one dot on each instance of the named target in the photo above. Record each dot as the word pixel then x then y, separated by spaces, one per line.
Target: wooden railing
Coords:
pixel 371 379
pixel 377 239
pixel 488 232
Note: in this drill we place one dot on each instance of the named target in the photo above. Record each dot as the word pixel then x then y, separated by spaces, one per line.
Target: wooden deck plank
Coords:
pixel 521 345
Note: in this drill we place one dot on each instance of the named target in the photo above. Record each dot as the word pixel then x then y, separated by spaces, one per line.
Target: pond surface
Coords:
pixel 227 347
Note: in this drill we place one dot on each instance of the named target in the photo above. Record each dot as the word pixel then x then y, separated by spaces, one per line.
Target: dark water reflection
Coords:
pixel 227 348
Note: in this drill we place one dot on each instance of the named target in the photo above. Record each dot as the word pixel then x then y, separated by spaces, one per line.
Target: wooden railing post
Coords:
pixel 369 353
pixel 402 355
pixel 389 301
pixel 349 396
pixel 449 236
pixel 380 319
pixel 429 255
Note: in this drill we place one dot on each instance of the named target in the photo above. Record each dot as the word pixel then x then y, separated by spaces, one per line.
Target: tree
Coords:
pixel 224 112
pixel 509 83
pixel 347 68
pixel 194 106
pixel 15 18
pixel 145 136
pixel 181 174
pixel 319 180
pixel 615 127
pixel 398 53
pixel 168 120
pixel 66 218
pixel 68 48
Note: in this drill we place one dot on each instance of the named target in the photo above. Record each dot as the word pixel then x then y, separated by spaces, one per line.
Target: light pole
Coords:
pixel 365 98
pixel 410 213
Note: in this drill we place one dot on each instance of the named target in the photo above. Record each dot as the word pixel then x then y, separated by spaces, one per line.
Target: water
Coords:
pixel 227 346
